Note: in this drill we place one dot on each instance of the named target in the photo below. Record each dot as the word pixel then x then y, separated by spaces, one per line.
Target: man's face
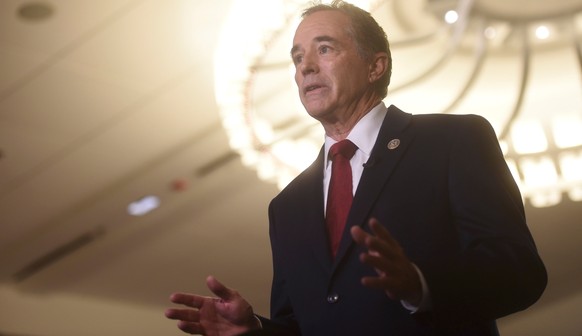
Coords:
pixel 330 74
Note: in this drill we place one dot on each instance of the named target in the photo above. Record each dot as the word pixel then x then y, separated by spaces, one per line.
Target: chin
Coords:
pixel 314 109
pixel 319 115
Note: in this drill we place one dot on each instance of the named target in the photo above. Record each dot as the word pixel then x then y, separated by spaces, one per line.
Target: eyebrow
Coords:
pixel 322 38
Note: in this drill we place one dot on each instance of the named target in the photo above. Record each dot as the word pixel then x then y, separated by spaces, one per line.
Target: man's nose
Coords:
pixel 309 64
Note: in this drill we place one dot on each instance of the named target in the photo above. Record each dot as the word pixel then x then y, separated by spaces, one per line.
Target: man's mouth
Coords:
pixel 310 88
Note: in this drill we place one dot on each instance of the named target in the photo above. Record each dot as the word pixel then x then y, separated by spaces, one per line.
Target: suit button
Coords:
pixel 332 298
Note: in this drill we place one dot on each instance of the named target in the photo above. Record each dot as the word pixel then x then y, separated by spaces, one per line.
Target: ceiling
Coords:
pixel 104 102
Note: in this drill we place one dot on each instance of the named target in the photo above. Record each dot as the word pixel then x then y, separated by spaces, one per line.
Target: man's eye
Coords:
pixel 324 49
pixel 297 59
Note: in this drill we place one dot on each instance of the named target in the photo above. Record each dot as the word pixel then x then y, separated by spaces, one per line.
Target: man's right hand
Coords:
pixel 224 315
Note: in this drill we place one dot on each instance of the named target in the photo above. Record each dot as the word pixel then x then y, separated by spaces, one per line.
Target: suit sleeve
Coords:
pixel 498 270
pixel 282 320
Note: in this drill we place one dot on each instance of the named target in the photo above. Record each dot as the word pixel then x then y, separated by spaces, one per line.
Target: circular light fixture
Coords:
pixel 488 61
pixel 451 16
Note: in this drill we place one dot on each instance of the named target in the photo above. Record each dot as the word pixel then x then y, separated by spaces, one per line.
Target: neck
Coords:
pixel 341 125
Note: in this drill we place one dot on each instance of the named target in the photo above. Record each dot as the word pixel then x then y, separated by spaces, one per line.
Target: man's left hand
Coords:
pixel 397 276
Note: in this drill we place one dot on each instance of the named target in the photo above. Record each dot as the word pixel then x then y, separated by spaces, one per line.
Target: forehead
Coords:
pixel 323 23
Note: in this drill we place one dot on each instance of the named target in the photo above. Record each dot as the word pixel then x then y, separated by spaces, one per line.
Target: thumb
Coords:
pixel 219 289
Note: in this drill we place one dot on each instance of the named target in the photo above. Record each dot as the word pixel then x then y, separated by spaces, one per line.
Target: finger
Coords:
pixel 381 283
pixel 362 237
pixel 191 328
pixel 381 232
pixel 382 264
pixel 219 289
pixel 373 244
pixel 189 315
pixel 383 241
pixel 378 282
pixel 379 247
pixel 190 300
pixel 359 235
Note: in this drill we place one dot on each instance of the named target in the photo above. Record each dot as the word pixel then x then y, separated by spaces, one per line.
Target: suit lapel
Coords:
pixel 314 217
pixel 374 177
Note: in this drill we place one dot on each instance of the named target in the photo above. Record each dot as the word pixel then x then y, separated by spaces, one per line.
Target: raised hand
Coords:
pixel 224 315
pixel 397 275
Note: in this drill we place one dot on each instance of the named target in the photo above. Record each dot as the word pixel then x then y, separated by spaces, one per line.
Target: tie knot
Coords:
pixel 345 148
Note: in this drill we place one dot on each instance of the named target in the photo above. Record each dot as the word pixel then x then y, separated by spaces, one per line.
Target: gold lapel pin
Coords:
pixel 393 144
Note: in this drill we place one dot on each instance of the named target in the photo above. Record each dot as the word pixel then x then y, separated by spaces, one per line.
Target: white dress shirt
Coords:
pixel 363 135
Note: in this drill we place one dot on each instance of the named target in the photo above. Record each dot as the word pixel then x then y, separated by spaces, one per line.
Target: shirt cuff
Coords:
pixel 425 301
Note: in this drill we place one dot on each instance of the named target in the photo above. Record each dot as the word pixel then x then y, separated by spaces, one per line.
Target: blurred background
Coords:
pixel 142 140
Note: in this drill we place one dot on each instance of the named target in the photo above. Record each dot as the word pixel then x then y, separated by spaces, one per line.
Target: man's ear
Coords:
pixel 378 67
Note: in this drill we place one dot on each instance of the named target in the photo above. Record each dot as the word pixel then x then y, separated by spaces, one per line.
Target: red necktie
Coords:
pixel 339 197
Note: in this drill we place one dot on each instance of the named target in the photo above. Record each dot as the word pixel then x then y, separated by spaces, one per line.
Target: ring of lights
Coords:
pixel 269 128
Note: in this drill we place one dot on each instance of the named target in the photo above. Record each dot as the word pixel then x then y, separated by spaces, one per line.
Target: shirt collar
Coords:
pixel 365 131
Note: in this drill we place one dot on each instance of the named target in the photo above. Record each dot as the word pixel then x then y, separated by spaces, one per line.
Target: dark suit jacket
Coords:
pixel 446 194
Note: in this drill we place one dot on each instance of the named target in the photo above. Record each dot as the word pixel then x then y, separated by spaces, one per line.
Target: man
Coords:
pixel 435 240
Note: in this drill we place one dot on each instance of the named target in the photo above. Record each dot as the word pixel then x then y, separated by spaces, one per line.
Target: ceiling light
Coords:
pixel 528 137
pixel 143 205
pixel 571 167
pixel 451 17
pixel 490 33
pixel 539 178
pixel 567 130
pixel 542 32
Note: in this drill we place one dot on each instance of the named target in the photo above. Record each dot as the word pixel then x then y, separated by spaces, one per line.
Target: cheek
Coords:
pixel 342 79
pixel 354 83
